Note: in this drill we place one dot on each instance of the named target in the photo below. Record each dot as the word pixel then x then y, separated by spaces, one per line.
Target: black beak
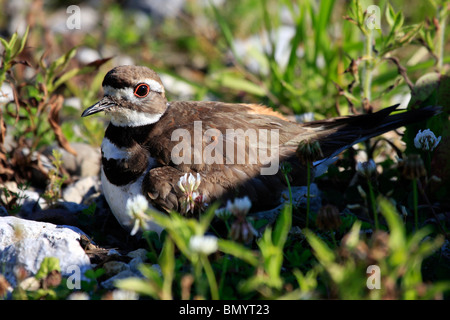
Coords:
pixel 99 106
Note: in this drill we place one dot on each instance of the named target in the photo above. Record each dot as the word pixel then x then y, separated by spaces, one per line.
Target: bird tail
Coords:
pixel 343 132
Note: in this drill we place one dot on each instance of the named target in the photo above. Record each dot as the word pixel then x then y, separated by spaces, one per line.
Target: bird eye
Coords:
pixel 142 90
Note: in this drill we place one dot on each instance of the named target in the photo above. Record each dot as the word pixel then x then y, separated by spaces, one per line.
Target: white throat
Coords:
pixel 133 118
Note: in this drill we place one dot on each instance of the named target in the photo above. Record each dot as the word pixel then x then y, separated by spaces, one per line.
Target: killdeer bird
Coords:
pixel 151 143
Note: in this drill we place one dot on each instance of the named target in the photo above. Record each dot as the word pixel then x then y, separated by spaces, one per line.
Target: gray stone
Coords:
pixel 139 253
pixel 114 267
pixel 298 200
pixel 134 265
pixel 109 283
pixel 26 243
pixel 82 189
pixel 73 102
pixel 87 55
pixel 170 9
pixel 6 93
pixel 85 163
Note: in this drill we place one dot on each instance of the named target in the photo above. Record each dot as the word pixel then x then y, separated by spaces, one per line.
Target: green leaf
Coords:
pixel 236 83
pixel 226 32
pixel 48 265
pixel 89 211
pixel 12 42
pixel 306 282
pixel 137 285
pixel 323 253
pixel 150 273
pixel 397 239
pixel 390 15
pixel 57 66
pixel 206 218
pixel 353 235
pixel 398 23
pixel 167 264
pixel 4 43
pixel 23 41
pixel 320 27
pixel 239 251
pixel 94 274
pixel 282 227
pixel 65 77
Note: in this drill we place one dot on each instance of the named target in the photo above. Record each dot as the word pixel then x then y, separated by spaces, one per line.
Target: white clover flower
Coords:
pixel 78 296
pixel 192 199
pixel 135 209
pixel 203 244
pixel 426 140
pixel 189 184
pixel 120 294
pixel 222 213
pixel 239 206
pixel 366 168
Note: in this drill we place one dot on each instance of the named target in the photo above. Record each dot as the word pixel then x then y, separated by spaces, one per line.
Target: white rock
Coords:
pixel 6 93
pixel 30 284
pixel 73 102
pixel 27 243
pixel 87 55
pixel 85 163
pixel 299 196
pixel 78 191
pixel 109 283
pixel 156 8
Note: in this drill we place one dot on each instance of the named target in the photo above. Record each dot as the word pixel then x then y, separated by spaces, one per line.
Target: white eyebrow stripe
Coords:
pixel 154 85
pixel 129 93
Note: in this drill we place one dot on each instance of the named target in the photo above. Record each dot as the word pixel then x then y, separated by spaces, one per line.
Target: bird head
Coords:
pixel 133 96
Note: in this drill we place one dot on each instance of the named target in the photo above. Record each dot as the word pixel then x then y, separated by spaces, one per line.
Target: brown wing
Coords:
pixel 228 171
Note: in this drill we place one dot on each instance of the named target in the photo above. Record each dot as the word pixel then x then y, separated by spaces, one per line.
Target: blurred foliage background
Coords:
pixel 295 56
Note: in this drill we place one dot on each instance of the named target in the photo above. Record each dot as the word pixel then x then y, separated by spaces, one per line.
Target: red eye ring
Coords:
pixel 142 90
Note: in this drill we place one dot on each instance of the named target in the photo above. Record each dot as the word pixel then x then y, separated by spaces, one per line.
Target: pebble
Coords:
pixel 85 163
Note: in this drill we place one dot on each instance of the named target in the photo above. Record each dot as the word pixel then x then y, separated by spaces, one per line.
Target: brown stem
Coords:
pixel 422 192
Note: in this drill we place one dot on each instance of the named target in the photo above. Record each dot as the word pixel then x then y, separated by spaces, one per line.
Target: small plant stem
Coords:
pixel 367 71
pixel 227 225
pixel 289 188
pixel 224 270
pixel 428 163
pixel 308 181
pixel 334 239
pixel 150 244
pixel 441 36
pixel 211 278
pixel 415 200
pixel 425 197
pixel 373 203
pixel 198 275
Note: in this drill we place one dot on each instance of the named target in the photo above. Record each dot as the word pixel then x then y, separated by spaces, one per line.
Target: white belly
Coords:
pixel 117 196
